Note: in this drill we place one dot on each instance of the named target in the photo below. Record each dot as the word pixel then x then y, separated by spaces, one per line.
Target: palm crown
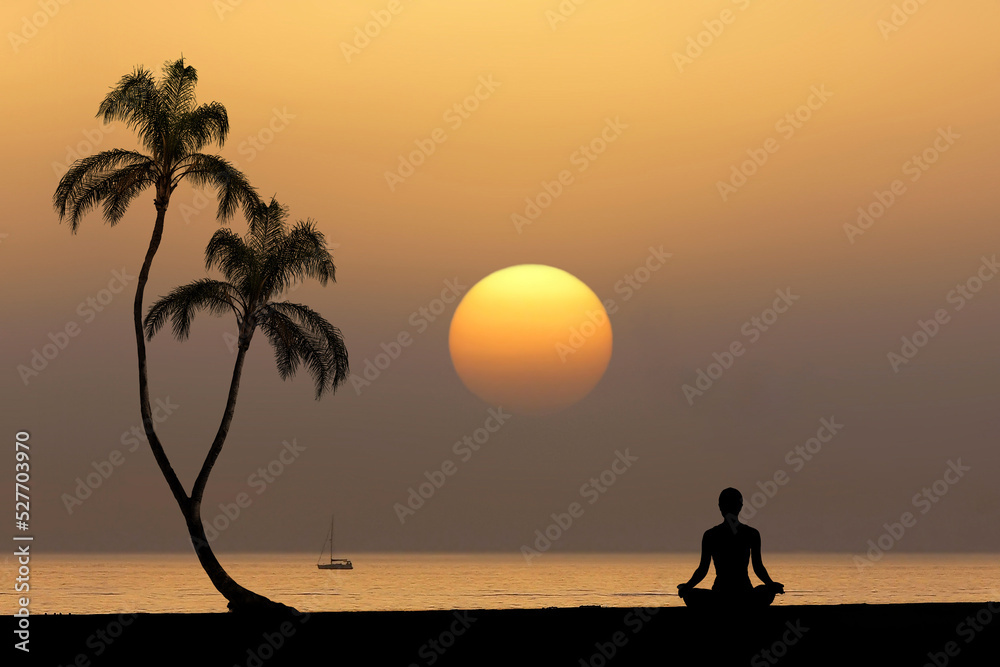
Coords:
pixel 173 128
pixel 259 268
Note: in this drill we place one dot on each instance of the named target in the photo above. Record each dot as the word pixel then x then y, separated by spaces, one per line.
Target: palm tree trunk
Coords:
pixel 227 418
pixel 140 342
pixel 239 598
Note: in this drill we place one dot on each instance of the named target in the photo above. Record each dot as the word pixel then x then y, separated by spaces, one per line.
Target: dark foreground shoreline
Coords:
pixel 902 634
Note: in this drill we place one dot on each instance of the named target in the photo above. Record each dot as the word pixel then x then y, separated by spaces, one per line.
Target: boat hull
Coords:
pixel 336 565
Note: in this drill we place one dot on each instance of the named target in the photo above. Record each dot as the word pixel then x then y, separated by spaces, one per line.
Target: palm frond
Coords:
pixel 74 188
pixel 293 345
pixel 230 254
pixel 181 304
pixel 267 226
pixel 136 101
pixel 293 256
pixel 232 187
pixel 208 123
pixel 284 336
pixel 303 334
pixel 178 86
pixel 115 188
pixel 305 253
pixel 123 186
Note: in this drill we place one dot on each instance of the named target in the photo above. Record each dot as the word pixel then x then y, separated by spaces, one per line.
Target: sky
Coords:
pixel 788 210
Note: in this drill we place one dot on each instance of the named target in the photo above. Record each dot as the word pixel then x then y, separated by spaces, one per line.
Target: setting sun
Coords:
pixel 531 338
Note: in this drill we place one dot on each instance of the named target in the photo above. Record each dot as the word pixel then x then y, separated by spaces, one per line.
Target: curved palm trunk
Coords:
pixel 144 407
pixel 239 598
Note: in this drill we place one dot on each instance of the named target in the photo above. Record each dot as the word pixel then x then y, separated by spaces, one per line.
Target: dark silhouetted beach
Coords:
pixel 903 634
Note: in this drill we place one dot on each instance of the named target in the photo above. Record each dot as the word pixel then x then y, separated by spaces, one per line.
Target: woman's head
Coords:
pixel 730 501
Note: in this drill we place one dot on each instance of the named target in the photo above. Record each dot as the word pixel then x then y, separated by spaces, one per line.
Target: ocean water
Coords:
pixel 92 583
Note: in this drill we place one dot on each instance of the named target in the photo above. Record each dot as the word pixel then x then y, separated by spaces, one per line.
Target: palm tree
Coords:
pixel 257 270
pixel 173 129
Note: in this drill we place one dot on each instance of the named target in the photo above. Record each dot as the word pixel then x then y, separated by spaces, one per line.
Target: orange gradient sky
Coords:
pixel 597 110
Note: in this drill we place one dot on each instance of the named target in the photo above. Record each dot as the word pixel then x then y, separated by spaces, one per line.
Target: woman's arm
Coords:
pixel 758 563
pixel 706 559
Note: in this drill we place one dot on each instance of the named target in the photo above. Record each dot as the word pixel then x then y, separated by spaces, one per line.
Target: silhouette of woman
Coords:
pixel 731 545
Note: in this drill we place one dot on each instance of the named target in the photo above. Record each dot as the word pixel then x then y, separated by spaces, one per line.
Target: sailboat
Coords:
pixel 335 563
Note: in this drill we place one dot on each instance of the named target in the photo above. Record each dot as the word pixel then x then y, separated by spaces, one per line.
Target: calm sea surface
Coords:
pixel 88 584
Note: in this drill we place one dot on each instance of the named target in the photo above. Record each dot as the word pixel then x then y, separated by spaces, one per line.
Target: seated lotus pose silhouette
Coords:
pixel 731 545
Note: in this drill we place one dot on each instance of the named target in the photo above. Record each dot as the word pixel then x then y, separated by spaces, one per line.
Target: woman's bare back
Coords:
pixel 730 548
